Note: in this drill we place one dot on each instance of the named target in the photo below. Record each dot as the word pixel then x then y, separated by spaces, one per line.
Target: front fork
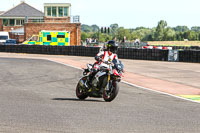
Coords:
pixel 108 83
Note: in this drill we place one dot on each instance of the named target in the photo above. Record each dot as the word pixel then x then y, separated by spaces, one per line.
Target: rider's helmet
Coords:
pixel 112 46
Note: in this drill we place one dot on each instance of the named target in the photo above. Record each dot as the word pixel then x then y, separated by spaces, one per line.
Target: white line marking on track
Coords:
pixel 160 92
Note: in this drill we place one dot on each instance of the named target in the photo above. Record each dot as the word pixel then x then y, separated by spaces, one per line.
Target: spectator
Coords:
pixel 87 41
pixel 137 41
pixel 124 41
pixel 114 38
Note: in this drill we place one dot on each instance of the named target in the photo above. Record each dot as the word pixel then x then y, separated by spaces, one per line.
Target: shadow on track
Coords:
pixel 74 99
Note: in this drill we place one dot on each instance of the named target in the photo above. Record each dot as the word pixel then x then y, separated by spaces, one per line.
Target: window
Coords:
pixel 34 38
pixel 65 11
pixel 12 22
pixel 3 37
pixel 19 21
pixel 60 11
pixel 5 22
pixel 22 22
pixel 11 41
pixel 48 37
pixel 35 20
pixel 48 11
pixel 54 11
pixel 60 36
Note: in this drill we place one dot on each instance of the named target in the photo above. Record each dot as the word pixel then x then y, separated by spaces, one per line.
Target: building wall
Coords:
pixel 1 24
pixel 19 38
pixel 57 19
pixel 35 28
pixel 9 28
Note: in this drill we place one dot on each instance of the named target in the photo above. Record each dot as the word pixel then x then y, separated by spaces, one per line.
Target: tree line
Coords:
pixel 162 32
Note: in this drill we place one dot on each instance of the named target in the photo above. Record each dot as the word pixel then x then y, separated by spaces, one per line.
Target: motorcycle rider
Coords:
pixel 104 57
pixel 109 53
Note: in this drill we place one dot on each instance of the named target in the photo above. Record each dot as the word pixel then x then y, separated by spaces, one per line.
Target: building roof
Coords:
pixel 57 4
pixel 1 12
pixel 22 10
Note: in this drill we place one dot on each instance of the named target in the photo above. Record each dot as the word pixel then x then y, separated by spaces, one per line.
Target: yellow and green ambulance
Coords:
pixel 53 38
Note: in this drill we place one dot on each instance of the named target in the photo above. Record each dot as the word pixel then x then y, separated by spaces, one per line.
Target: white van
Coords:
pixel 3 37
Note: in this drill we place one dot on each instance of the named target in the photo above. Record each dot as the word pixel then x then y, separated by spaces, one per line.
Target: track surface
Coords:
pixel 39 96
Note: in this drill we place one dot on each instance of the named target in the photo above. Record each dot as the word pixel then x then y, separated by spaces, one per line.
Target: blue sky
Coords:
pixel 127 13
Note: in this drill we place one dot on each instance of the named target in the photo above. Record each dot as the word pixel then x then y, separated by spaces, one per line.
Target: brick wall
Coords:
pixel 19 38
pixel 35 28
pixel 1 25
pixel 8 28
pixel 57 19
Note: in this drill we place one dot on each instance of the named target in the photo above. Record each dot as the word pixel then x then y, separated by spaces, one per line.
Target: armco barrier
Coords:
pixel 124 53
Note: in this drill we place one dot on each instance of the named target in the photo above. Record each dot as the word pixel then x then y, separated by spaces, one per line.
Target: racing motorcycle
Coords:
pixel 105 83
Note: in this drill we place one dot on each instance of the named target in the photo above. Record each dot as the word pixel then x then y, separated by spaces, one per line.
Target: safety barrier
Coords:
pixel 143 54
pixel 189 56
pixel 123 53
pixel 180 47
pixel 53 50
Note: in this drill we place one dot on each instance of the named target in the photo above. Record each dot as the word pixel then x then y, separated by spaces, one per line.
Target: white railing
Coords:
pixel 71 19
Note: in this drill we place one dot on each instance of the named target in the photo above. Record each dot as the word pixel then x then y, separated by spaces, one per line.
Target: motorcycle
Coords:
pixel 105 82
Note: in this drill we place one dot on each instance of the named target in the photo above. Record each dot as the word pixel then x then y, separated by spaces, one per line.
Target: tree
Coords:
pixel 123 32
pixel 139 28
pixel 193 36
pixel 186 34
pixel 181 28
pixel 94 28
pixel 84 36
pixel 94 35
pixel 169 34
pixel 179 36
pixel 143 33
pixel 133 36
pixel 195 28
pixel 86 28
pixel 104 37
pixel 160 33
pixel 113 29
pixel 160 30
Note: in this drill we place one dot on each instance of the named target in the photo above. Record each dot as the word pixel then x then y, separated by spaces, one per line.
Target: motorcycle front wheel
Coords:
pixel 80 93
pixel 108 96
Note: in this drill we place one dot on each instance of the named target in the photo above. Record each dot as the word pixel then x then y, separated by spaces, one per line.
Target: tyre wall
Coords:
pixel 123 53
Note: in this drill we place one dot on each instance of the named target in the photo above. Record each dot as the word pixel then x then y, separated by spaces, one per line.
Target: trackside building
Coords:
pixel 23 21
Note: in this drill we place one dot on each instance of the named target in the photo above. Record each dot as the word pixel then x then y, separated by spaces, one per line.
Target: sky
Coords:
pixel 126 13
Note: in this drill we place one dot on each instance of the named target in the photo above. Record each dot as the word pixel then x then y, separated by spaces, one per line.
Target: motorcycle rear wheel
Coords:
pixel 80 93
pixel 109 96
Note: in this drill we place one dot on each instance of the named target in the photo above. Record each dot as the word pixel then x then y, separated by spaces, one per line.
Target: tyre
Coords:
pixel 80 91
pixel 109 96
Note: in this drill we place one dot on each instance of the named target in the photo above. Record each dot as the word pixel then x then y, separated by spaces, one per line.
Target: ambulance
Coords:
pixel 53 38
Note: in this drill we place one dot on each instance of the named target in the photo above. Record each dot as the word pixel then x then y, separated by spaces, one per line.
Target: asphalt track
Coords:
pixel 38 96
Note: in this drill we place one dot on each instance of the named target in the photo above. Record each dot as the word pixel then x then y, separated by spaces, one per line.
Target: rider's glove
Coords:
pixel 97 58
